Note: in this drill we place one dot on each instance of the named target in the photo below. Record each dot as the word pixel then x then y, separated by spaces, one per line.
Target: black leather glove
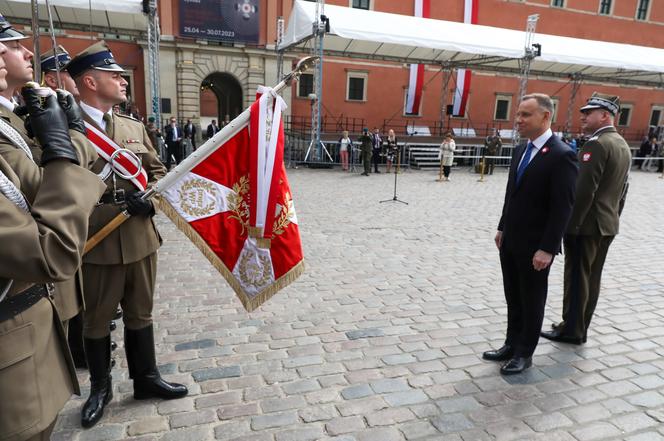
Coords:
pixel 49 124
pixel 72 110
pixel 136 206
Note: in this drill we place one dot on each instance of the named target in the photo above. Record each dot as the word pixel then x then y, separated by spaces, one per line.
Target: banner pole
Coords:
pixel 201 153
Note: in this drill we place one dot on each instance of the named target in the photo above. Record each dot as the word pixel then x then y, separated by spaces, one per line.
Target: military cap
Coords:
pixel 48 60
pixel 7 32
pixel 601 101
pixel 98 56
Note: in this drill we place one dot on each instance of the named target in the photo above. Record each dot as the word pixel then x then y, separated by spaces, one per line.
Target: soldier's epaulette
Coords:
pixel 126 116
pixel 593 138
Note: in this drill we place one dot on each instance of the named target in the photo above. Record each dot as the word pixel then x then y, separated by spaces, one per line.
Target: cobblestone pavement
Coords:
pixel 381 338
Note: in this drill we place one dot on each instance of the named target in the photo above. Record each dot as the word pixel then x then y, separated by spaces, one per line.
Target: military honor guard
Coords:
pixel 43 238
pixel 122 268
pixel 604 163
pixel 54 70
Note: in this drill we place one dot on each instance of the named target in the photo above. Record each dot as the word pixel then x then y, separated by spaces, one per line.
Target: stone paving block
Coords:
pixel 649 399
pixel 648 436
pixel 148 425
pixel 339 426
pixel 418 430
pixel 458 404
pixel 389 385
pixel 633 422
pixel 231 430
pixel 318 413
pixel 454 422
pixel 278 404
pixel 406 398
pixel 389 417
pixel 548 422
pixel 361 406
pixel 233 411
pixel 510 430
pixel 272 420
pixel 232 397
pixel 596 431
pixel 196 344
pixel 189 419
pixel 306 433
pixel 357 391
pixel 189 434
pixel 379 434
pixel 364 333
pixel 103 433
pixel 216 373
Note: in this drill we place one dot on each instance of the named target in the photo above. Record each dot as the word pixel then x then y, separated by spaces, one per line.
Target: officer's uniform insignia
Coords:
pixel 586 156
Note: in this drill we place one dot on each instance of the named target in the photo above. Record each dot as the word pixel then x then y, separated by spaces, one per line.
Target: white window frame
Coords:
pixel 556 107
pixel 503 97
pixel 371 5
pixel 648 9
pixel 623 106
pixel 611 6
pixel 659 107
pixel 405 102
pixel 554 5
pixel 357 74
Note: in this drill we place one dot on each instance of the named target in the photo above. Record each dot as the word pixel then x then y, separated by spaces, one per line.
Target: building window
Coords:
pixel 656 115
pixel 356 86
pixel 305 85
pixel 625 115
pixel 558 3
pixel 555 109
pixel 642 10
pixel 605 7
pixel 503 104
pixel 361 4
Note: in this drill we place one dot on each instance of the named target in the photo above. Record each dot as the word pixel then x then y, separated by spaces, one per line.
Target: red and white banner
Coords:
pixel 236 206
pixel 416 80
pixel 122 162
pixel 463 75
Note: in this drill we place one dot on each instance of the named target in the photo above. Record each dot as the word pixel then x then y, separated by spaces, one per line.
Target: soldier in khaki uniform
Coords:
pixel 42 242
pixel 604 162
pixel 122 268
pixel 54 65
pixel 25 162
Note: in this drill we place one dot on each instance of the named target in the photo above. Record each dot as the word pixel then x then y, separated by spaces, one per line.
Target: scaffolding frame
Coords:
pixel 531 51
pixel 153 59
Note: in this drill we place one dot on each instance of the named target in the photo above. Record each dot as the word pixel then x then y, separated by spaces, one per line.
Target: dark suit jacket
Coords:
pixel 211 130
pixel 168 132
pixel 536 211
pixel 190 132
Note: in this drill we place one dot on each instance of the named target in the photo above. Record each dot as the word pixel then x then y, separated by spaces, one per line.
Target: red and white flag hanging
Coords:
pixel 463 75
pixel 416 80
pixel 236 206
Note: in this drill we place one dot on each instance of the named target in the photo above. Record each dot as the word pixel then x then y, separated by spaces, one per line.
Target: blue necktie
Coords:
pixel 524 162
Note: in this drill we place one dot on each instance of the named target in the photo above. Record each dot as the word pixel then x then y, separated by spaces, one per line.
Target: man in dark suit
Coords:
pixel 212 129
pixel 376 148
pixel 538 204
pixel 174 136
pixel 604 163
pixel 190 133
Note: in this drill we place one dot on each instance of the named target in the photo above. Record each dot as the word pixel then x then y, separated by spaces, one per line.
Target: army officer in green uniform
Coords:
pixel 604 162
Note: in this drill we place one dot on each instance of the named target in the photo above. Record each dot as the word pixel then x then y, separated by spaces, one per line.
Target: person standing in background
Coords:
pixel 345 146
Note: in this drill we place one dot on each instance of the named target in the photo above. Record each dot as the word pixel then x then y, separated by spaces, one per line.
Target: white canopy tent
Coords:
pixel 356 33
pixel 110 15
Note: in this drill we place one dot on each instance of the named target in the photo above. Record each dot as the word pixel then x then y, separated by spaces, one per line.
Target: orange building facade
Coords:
pixel 203 79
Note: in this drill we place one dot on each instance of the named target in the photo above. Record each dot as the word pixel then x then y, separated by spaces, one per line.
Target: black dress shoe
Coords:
pixel 516 365
pixel 502 354
pixel 557 335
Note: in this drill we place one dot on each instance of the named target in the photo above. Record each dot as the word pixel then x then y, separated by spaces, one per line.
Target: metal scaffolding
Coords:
pixel 153 59
pixel 576 85
pixel 530 52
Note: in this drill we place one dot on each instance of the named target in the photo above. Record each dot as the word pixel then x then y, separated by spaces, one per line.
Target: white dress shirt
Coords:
pixel 95 114
pixel 538 143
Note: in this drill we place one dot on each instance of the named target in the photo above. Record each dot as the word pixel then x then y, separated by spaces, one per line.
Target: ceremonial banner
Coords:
pixel 236 206
pixel 463 75
pixel 416 80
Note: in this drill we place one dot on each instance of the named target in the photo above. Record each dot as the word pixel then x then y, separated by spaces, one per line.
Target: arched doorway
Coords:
pixel 220 97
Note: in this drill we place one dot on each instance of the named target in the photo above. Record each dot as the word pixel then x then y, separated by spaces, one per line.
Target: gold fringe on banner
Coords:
pixel 249 302
pixel 255 232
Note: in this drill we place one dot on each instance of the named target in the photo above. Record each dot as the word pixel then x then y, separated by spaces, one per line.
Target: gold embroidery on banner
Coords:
pixel 192 197
pixel 253 273
pixel 286 213
pixel 237 202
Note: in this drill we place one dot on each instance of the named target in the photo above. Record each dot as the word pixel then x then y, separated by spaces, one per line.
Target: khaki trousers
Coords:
pixel 107 286
pixel 584 261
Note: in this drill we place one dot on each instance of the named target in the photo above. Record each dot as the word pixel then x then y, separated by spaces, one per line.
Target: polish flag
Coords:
pixel 463 75
pixel 416 80
pixel 237 207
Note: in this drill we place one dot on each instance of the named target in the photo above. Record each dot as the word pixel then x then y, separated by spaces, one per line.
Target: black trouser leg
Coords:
pixel 141 360
pixel 98 354
pixel 446 170
pixel 75 340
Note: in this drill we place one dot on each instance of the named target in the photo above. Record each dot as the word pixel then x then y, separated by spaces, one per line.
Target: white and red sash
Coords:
pixel 123 163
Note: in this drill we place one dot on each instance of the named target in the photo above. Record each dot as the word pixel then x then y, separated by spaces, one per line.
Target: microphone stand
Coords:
pixel 396 170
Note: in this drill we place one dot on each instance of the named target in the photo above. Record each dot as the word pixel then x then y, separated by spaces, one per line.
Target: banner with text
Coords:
pixel 220 20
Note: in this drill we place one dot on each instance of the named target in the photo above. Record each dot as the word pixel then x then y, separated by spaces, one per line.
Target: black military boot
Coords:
pixel 139 347
pixel 98 354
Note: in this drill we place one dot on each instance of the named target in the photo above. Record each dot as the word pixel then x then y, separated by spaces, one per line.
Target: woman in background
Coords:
pixel 446 155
